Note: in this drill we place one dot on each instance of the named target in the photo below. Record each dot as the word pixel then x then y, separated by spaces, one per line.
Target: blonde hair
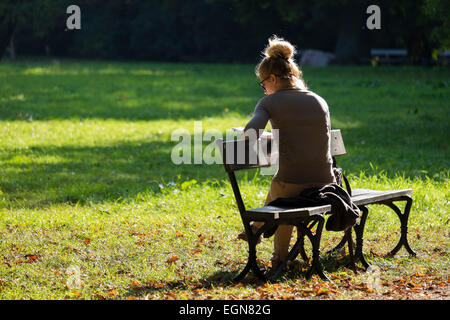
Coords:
pixel 278 60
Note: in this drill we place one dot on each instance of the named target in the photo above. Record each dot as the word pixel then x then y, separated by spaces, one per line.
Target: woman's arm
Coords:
pixel 258 121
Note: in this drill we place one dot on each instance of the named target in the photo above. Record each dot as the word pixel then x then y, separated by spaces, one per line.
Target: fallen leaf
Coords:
pixel 172 259
pixel 156 284
pixel 99 296
pixel 322 291
pixel 31 258
pixel 76 293
pixel 375 254
pixel 194 252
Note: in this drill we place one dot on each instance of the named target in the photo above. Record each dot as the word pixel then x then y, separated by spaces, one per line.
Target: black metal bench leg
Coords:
pixel 315 241
pixel 244 272
pixel 357 254
pixel 348 236
pixel 293 253
pixel 339 246
pixel 252 242
pixel 301 240
pixel 251 263
pixel 302 230
pixel 359 231
pixel 291 256
pixel 404 225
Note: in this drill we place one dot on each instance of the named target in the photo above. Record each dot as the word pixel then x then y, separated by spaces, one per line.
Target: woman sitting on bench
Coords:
pixel 303 122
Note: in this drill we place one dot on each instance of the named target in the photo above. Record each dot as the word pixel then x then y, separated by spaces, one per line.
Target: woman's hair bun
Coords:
pixel 279 48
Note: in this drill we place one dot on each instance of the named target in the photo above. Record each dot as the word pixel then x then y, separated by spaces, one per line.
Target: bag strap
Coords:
pixel 347 184
pixel 341 176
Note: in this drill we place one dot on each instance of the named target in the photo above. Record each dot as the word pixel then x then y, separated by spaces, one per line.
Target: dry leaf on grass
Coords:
pixel 31 258
pixel 172 259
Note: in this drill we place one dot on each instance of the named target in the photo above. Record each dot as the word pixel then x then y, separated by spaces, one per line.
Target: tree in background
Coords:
pixel 29 20
pixel 438 12
pixel 414 25
pixel 8 22
pixel 221 30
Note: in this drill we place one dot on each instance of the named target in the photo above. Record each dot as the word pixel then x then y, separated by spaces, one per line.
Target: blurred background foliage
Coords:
pixel 220 30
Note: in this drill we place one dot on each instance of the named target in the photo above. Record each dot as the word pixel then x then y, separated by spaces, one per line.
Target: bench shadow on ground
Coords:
pixel 223 279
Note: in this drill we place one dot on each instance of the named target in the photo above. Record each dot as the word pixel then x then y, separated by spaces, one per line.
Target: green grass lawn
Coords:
pixel 91 206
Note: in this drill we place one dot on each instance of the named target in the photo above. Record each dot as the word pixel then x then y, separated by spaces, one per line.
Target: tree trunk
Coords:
pixel 6 34
pixel 353 39
pixel 12 48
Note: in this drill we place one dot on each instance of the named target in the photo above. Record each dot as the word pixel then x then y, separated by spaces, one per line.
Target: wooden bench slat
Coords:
pixel 279 212
pixel 273 209
pixel 368 196
pixel 360 197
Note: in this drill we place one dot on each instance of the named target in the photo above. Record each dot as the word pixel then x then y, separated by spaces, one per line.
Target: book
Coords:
pixel 264 135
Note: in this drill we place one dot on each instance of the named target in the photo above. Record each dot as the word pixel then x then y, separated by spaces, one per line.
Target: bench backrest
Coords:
pixel 239 155
pixel 337 143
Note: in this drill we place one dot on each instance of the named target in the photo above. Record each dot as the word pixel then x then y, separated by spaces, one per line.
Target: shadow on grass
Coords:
pixel 390 125
pixel 155 91
pixel 135 92
pixel 384 125
pixel 40 176
pixel 224 279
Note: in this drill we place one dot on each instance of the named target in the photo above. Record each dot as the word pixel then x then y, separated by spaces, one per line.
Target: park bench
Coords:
pixel 309 221
pixel 443 57
pixel 389 56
